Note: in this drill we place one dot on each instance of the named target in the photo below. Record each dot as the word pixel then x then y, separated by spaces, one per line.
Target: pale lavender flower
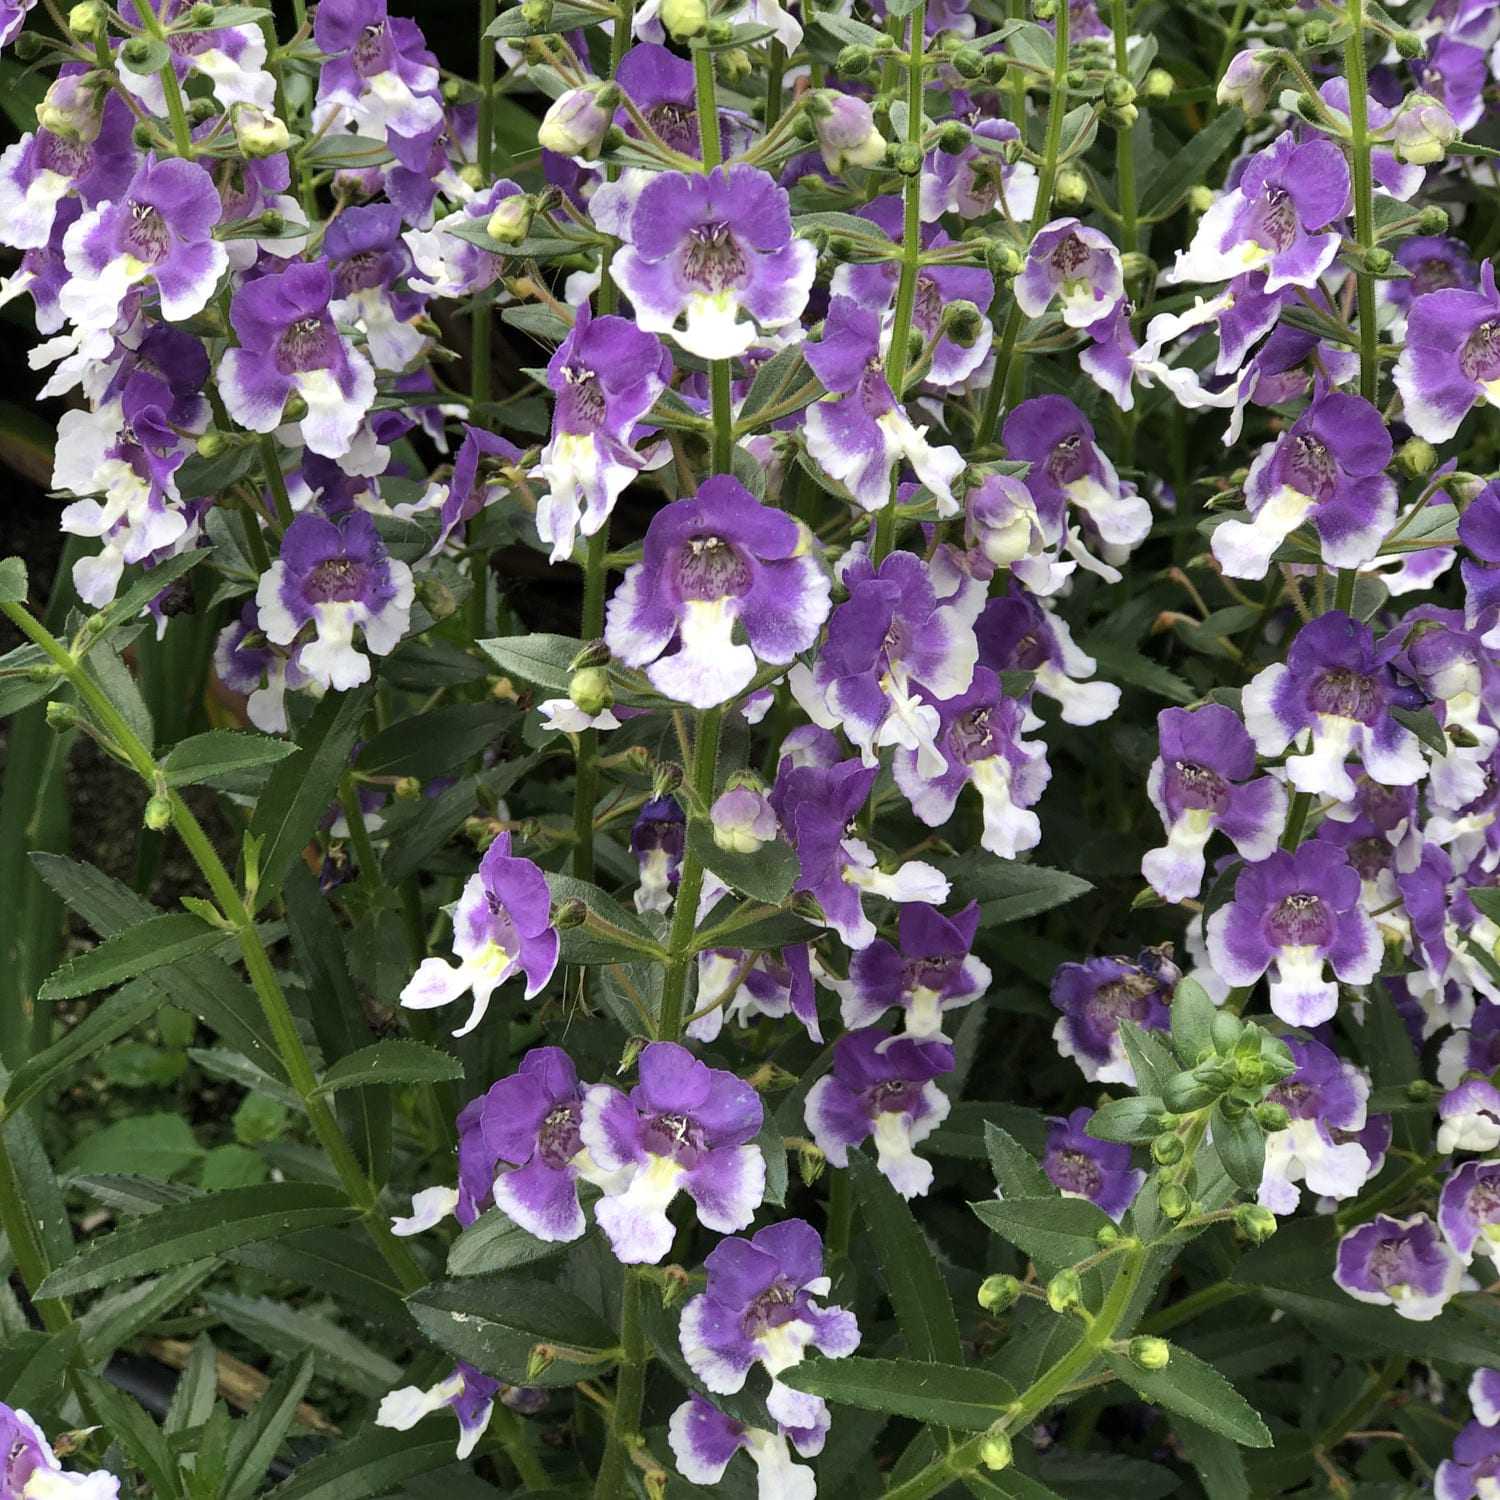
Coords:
pixel 703 1441
pixel 1077 267
pixel 1484 1395
pixel 1399 1263
pixel 1325 1098
pixel 1469 1211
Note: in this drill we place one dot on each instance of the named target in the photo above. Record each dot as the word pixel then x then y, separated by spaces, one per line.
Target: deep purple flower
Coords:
pixel 338 578
pixel 710 563
pixel 1078 1166
pixel 1469 1210
pixel 657 839
pixel 1474 1048
pixel 1400 1263
pixel 606 375
pixel 1202 780
pixel 734 986
pixel 159 230
pixel 1325 1098
pixel 860 436
pixel 377 78
pixel 245 662
pixel 685 1127
pixel 881 1086
pixel 705 249
pixel 470 1393
pixel 817 805
pixel 1275 218
pixel 1451 358
pixel 1474 1469
pixel 759 1308
pixel 703 1440
pixel 367 258
pixel 1017 634
pixel 289 344
pixel 502 926
pixel 661 86
pixel 1077 266
pixel 479 478
pixel 1095 996
pixel 1327 468
pixel 1479 531
pixel 1434 263
pixel 1300 912
pixel 892 649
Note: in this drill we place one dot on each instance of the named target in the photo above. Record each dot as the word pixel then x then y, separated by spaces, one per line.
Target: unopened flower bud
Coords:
pixel 1422 131
pixel 1432 220
pixel 158 813
pixel 665 780
pixel 1150 1353
pixel 684 18
pixel 271 221
pixel 202 14
pixel 575 123
pixel 963 323
pixel 1119 91
pixel 590 691
pixel 136 53
pixel 997 70
pixel 845 130
pixel 811 1163
pixel 1157 85
pixel 1123 117
pixel 88 21
pixel 968 62
pixel 572 913
pixel 260 132
pixel 995 1451
pixel 71 109
pixel 407 789
pixel 1077 78
pixel 1072 187
pixel 854 61
pixel 1004 260
pixel 1316 33
pixel 1271 1116
pixel 1200 198
pixel 1416 456
pixel 1246 82
pixel 1106 1237
pixel 591 654
pixel 537 14
pixel 1064 1291
pixel 435 596
pixel 1421 1091
pixel 1174 1201
pixel 997 1294
pixel 211 444
pixel 954 136
pixel 1257 1224
pixel 905 157
pixel 1408 44
pixel 61 715
pixel 742 820
pixel 1378 260
pixel 1167 1148
pixel 295 408
pixel 511 221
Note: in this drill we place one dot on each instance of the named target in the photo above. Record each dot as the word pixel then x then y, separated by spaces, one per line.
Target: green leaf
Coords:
pixel 544 660
pixel 495 1323
pixel 259 1436
pixel 105 1023
pixel 1054 1232
pixel 913 1281
pixel 206 1225
pixel 291 1332
pixel 1241 1147
pixel 140 1438
pixel 116 1319
pixel 1194 1389
pixel 391 1062
pixel 377 1464
pixel 288 812
pixel 1120 662
pixel 767 875
pixel 1009 891
pixel 1130 1120
pixel 1423 723
pixel 949 1395
pixel 1018 1174
pixel 495 1243
pixel 193 1400
pixel 158 1145
pixel 1189 165
pixel 433 744
pixel 564 18
pixel 1193 1014
pixel 611 935
pixel 784 374
pixel 12 580
pixel 1149 1056
pixel 1218 1460
pixel 152 944
pixel 221 752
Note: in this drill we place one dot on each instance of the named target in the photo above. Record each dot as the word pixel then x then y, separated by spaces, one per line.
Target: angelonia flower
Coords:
pixel 736 987
pixel 1246 82
pixel 743 819
pixel 845 128
pixel 502 926
pixel 759 1308
pixel 1473 1472
pixel 685 1127
pixel 1469 1211
pixel 1077 267
pixel 657 839
pixel 468 1393
pixel 1450 361
pixel 1404 1264
pixel 1095 996
pixel 704 1439
pixel 1297 912
pixel 29 1470
pixel 881 1086
pixel 1469 1117
pixel 1081 1167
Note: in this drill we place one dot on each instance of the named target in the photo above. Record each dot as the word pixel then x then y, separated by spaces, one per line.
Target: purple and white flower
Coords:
pixel 232 58
pixel 1276 217
pixel 245 662
pixel 1330 699
pixel 337 578
pixel 1473 1472
pixel 1077 267
pixel 1095 996
pixel 717 561
pixel 734 986
pixel 468 1392
pixel 13 15
pixel 1469 1211
pixel 1451 359
pixel 975 182
pixel 606 375
pixel 158 231
pixel 1469 1117
pixel 703 1441
pixel 1400 1263
pixel 368 258
pixel 657 839
pixel 702 250
pixel 1484 1396
pixel 1325 1098
pixel 502 926
pixel 29 1469
pixel 377 79
pixel 1327 468
pixel 1203 779
pixel 881 1086
pixel 685 1127
pixel 446 264
pixel 1298 912
pixel 759 1308
pixel 1017 634
pixel 289 345
pixel 1079 1166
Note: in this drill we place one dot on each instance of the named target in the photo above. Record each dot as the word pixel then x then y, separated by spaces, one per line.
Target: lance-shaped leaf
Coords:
pixel 221 752
pixel 391 1062
pixel 767 875
pixel 152 944
pixel 1194 1389
pixel 950 1395
pixel 1054 1232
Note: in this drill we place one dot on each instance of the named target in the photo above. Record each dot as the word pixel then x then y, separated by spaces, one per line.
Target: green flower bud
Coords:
pixel 1200 198
pixel 537 13
pixel 1004 260
pixel 1064 1291
pixel 995 1451
pixel 1167 1149
pixel 963 322
pixel 1420 1091
pixel 590 690
pixel 271 221
pixel 684 18
pixel 719 31
pixel 1408 44
pixel 1271 1116
pixel 202 14
pixel 1119 91
pixel 999 1293
pixel 904 157
pixel 88 21
pixel 407 789
pixel 295 408
pixel 1043 10
pixel 1150 1353
pixel 1072 187
pixel 1157 85
pixel 570 914
pixel 1417 456
pixel 511 221
pixel 1257 1224
pixel 1378 260
pixel 1174 1201
pixel 136 53
pixel 997 69
pixel 953 137
pixel 968 62
pixel 1107 1237
pixel 211 444
pixel 1123 117
pixel 1432 220
pixel 62 715
pixel 143 137
pixel 158 813
pixel 854 60
pixel 1315 33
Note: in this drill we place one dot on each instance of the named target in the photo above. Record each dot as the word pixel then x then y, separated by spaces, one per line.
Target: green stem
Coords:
pixel 1124 136
pixel 708 108
pixel 774 71
pixel 281 499
pixel 689 881
pixel 840 1214
pixel 898 355
pixel 1296 819
pixel 586 786
pixel 1192 1305
pixel 515 1440
pixel 630 1389
pixel 1005 382
pixel 1357 1413
pixel 278 1012
pixel 482 312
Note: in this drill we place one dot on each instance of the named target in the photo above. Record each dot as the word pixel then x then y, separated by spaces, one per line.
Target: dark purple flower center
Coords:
pixel 370 54
pixel 1069 256
pixel 709 567
pixel 1200 787
pixel 558 1141
pixel 1311 468
pixel 773 1307
pixel 1069 459
pixel 1126 998
pixel 1345 694
pixel 1301 920
pixel 676 123
pixel 190 43
pixel 1029 653
pixel 66 158
pixel 1276 226
pixel 1300 1100
pixel 1484 1197
pixel 1480 356
pixel 360 272
pixel 892 1096
pixel 927 310
pixel 972 736
pixel 336 580
pixel 1394 1262
pixel 1076 1172
pixel 145 234
pixel 582 398
pixel 305 346
pixel 713 259
pixel 1433 275
pixel 1370 856
pixel 675 1135
pixel 929 973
